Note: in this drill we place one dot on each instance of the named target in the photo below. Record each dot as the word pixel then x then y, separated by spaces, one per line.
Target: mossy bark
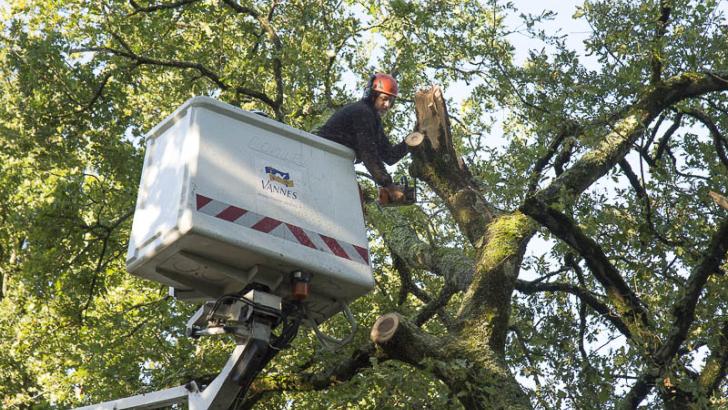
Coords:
pixel 470 360
pixel 475 375
pixel 485 310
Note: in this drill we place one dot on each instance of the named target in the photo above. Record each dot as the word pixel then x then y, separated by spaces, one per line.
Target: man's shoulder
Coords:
pixel 357 107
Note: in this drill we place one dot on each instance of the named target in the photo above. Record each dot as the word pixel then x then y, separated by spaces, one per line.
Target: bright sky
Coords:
pixel 576 30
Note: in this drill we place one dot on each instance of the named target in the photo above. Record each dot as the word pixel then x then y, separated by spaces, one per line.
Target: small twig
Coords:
pixel 168 6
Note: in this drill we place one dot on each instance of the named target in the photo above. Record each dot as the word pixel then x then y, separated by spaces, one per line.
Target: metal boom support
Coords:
pixel 250 320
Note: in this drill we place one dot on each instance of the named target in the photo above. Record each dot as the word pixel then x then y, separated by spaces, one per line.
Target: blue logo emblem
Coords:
pixel 283 178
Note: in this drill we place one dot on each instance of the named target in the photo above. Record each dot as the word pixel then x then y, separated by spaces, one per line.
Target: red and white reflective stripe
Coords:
pixel 280 229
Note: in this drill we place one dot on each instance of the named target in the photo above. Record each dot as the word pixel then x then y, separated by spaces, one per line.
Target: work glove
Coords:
pixel 391 194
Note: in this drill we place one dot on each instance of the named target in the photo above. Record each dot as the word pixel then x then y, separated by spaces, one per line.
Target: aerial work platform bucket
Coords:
pixel 230 200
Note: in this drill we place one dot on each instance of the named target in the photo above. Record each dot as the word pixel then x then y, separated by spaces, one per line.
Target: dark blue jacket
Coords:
pixel 359 127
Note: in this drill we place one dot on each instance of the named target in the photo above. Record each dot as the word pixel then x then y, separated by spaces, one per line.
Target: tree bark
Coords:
pixel 476 376
pixel 470 360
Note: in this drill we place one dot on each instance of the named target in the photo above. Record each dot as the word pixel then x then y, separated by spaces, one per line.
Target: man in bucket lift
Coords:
pixel 359 126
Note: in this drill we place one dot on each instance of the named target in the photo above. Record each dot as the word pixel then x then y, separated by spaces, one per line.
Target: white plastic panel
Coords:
pixel 229 198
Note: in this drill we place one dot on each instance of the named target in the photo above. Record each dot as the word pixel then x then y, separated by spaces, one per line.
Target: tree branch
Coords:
pixel 436 306
pixel 641 193
pixel 99 262
pixel 401 238
pixel 628 305
pixel 341 371
pixel 437 163
pixel 584 295
pixel 719 141
pixel 404 341
pixel 157 7
pixel 656 127
pixel 96 273
pixel 596 163
pixel 662 145
pixel 527 355
pixel 95 97
pixel 636 183
pixel 615 145
pixel 432 306
pixel 265 23
pixel 683 311
pixel 564 156
pixel 485 309
pixel 541 163
pixel 683 315
pixel 241 9
pixel 716 365
pixel 142 60
pixel 202 69
pixel 660 31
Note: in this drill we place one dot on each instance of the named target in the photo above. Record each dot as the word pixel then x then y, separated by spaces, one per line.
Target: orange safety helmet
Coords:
pixel 384 83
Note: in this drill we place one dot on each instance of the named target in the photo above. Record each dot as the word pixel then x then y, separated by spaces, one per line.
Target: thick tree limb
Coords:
pixel 615 145
pixel 403 240
pixel 484 383
pixel 485 310
pixel 437 163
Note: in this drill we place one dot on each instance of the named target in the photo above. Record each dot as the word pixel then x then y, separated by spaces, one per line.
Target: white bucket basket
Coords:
pixel 230 199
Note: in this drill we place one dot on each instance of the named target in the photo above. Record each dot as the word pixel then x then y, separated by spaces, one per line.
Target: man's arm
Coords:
pixel 391 154
pixel 369 155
